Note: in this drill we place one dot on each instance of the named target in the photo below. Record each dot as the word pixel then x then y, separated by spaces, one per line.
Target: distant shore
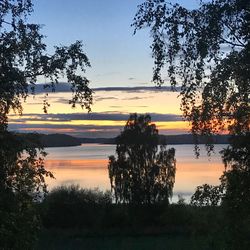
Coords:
pixel 167 139
pixel 63 140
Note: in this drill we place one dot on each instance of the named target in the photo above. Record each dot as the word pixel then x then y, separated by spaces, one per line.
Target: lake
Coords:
pixel 86 165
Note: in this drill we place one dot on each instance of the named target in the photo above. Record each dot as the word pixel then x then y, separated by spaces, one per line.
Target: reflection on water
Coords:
pixel 86 165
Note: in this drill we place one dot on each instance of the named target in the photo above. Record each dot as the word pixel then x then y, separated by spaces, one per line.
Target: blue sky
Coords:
pixel 118 57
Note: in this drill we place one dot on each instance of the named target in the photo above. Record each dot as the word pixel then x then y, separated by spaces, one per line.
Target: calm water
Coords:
pixel 86 165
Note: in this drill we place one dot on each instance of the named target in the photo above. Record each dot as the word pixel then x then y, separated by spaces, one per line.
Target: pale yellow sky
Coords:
pixel 156 102
pixel 113 101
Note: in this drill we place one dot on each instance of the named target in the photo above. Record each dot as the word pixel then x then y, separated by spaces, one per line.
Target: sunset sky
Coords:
pixel 120 75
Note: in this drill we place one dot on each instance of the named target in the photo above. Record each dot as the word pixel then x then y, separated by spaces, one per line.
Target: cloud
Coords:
pixel 112 116
pixel 115 106
pixel 62 100
pixel 99 98
pixel 136 98
pixel 114 123
pixel 44 88
pixel 137 89
pixel 65 87
pixel 35 103
pixel 139 106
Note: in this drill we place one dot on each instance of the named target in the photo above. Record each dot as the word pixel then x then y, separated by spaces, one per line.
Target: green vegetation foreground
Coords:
pixel 77 218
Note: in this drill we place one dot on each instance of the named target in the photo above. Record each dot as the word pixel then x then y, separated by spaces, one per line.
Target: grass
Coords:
pixel 73 240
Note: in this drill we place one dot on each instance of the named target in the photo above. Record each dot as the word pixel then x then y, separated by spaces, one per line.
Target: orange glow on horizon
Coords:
pixel 177 125
pixel 159 124
pixel 76 164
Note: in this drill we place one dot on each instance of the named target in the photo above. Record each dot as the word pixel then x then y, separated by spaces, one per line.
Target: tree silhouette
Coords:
pixel 23 58
pixel 207 195
pixel 207 51
pixel 22 184
pixel 141 173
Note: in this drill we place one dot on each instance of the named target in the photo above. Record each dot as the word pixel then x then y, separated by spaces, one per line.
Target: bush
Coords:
pixel 72 206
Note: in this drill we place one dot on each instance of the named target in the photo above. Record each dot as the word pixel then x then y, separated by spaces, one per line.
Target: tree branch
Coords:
pixel 240 42
pixel 34 75
pixel 232 43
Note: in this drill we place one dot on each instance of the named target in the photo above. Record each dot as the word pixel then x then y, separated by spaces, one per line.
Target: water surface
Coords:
pixel 86 165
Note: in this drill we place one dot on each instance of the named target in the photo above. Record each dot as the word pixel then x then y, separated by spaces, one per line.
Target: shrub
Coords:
pixel 72 206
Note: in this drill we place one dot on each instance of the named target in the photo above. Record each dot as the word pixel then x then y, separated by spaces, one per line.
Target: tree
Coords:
pixel 22 185
pixel 23 58
pixel 207 50
pixel 141 173
pixel 207 195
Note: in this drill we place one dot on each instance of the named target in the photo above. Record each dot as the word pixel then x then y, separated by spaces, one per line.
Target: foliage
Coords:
pixel 72 206
pixel 24 59
pixel 22 182
pixel 141 173
pixel 20 223
pixel 236 204
pixel 207 51
pixel 22 166
pixel 115 221
pixel 207 195
pixel 74 193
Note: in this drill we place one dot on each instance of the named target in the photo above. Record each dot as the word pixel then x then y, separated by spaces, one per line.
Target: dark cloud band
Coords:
pixel 93 116
pixel 65 87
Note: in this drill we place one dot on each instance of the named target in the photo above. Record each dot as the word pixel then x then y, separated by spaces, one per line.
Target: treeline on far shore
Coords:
pixel 63 140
